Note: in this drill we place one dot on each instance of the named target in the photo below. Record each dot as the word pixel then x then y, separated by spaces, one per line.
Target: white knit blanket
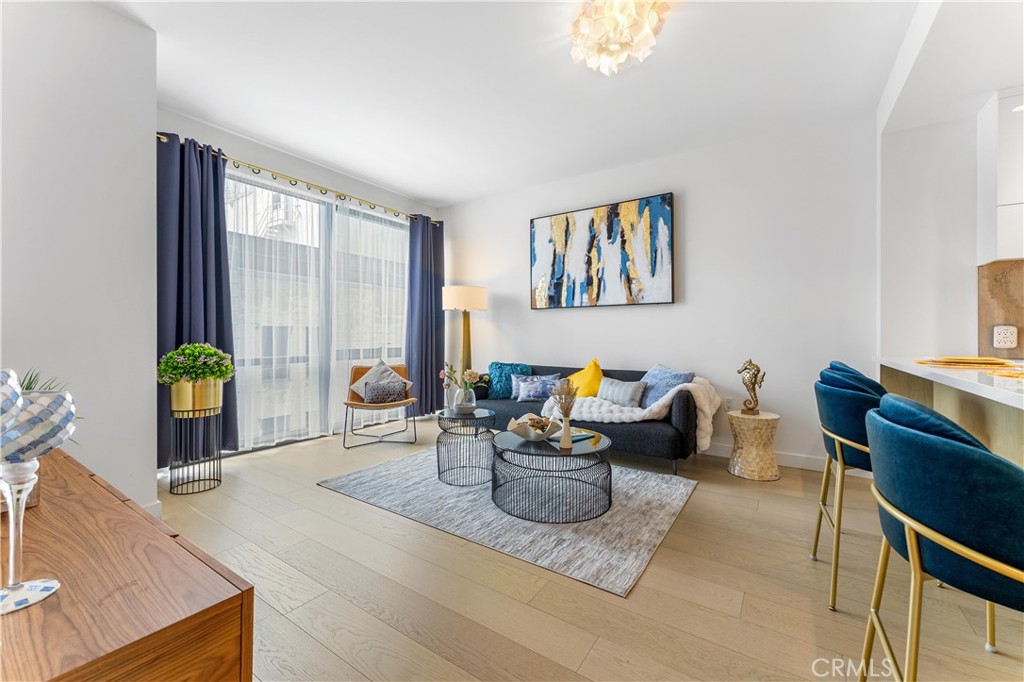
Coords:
pixel 704 395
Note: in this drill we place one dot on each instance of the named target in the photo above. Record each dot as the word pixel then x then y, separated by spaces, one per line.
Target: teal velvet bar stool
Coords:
pixel 948 506
pixel 844 396
pixel 860 377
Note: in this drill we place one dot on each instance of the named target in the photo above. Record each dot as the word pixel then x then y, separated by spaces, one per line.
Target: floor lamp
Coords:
pixel 464 299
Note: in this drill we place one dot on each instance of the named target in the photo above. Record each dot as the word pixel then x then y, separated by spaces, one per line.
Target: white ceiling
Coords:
pixel 972 50
pixel 444 102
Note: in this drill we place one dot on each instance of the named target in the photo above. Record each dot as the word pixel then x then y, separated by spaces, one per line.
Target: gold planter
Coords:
pixel 196 399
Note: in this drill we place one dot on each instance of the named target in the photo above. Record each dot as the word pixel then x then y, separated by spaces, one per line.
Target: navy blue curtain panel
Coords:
pixel 193 289
pixel 424 337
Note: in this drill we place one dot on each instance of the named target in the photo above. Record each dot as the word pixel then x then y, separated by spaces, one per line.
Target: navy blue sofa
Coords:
pixel 672 438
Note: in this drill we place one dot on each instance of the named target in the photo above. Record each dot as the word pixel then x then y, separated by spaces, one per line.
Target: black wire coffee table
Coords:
pixel 464 447
pixel 537 481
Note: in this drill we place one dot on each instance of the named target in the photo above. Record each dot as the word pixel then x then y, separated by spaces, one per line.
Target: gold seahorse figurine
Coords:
pixel 752 378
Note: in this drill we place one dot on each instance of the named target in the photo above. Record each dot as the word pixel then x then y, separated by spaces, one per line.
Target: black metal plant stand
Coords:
pixel 195 452
pixel 464 449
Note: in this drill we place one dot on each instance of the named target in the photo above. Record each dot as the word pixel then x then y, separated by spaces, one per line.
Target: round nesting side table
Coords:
pixel 753 445
pixel 464 447
pixel 537 481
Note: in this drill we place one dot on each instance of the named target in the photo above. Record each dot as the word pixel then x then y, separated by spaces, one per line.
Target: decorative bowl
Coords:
pixel 521 428
pixel 45 421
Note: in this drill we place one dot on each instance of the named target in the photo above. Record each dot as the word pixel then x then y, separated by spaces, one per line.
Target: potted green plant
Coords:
pixel 196 373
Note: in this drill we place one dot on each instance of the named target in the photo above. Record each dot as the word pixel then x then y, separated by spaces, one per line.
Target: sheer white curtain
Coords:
pixel 371 270
pixel 317 286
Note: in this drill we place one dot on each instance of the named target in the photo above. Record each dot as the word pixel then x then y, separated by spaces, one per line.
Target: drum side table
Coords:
pixel 753 449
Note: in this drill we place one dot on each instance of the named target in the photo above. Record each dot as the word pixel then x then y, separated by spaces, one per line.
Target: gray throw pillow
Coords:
pixel 624 393
pixel 378 373
pixel 384 392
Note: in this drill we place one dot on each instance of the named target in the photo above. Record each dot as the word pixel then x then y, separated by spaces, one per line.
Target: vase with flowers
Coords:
pixel 564 397
pixel 458 389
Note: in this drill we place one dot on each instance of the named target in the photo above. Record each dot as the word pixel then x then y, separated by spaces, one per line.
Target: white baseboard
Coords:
pixel 155 508
pixel 795 460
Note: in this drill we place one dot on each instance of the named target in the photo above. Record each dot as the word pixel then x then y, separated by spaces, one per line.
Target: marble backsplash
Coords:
pixel 1001 301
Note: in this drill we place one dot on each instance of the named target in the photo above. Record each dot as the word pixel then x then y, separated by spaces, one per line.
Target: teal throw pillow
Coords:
pixel 501 378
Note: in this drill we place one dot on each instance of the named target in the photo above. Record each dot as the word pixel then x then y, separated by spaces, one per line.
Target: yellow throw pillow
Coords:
pixel 588 380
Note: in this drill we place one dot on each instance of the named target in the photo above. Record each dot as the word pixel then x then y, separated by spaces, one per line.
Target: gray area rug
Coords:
pixel 609 552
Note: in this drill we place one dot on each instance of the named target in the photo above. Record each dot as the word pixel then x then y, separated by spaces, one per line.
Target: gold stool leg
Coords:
pixel 990 626
pixel 836 534
pixel 876 604
pixel 825 476
pixel 914 615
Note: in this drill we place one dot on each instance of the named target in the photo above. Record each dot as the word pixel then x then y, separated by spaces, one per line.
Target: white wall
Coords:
pixel 79 208
pixel 929 241
pixel 266 156
pixel 774 260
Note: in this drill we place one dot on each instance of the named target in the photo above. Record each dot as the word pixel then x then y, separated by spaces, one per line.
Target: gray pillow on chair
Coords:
pixel 378 373
pixel 384 392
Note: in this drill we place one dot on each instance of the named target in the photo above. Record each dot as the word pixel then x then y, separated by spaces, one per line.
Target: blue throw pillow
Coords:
pixel 660 380
pixel 519 379
pixel 536 391
pixel 501 378
pixel 914 415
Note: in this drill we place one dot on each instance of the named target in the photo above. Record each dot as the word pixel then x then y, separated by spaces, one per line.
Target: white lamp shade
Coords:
pixel 463 298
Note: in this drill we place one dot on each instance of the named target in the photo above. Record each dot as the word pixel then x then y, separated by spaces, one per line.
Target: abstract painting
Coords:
pixel 617 254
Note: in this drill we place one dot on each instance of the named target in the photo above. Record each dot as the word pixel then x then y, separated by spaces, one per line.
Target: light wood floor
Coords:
pixel 346 591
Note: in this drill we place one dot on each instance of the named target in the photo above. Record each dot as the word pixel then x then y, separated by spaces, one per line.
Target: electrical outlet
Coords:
pixel 1004 336
pixel 727 401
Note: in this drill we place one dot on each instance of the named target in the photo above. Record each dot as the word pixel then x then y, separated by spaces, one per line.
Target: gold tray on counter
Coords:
pixel 965 362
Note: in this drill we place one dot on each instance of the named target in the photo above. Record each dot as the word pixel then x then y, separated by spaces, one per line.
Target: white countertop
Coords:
pixel 979 382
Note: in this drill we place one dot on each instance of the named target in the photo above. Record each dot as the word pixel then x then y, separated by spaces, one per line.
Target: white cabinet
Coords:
pixel 1001 177
pixel 1010 179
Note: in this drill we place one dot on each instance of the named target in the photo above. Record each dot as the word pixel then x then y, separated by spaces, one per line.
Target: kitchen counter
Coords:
pixel 978 382
pixel 990 407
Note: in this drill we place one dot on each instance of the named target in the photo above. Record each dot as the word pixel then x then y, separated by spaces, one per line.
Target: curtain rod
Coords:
pixel 309 185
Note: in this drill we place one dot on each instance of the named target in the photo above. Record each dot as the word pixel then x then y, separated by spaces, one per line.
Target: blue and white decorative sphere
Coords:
pixel 34 423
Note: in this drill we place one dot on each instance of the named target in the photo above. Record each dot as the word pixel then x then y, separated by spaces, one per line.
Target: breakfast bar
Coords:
pixel 990 407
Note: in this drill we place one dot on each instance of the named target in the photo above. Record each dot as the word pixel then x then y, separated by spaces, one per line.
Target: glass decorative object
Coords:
pixel 464 401
pixel 31 425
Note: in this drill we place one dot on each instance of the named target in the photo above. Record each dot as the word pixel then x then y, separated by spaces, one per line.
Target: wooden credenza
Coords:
pixel 137 601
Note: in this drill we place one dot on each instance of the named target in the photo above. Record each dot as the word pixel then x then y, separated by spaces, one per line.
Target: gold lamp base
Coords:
pixel 467 347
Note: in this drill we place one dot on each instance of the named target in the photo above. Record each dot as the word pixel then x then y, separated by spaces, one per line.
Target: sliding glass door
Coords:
pixel 316 287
